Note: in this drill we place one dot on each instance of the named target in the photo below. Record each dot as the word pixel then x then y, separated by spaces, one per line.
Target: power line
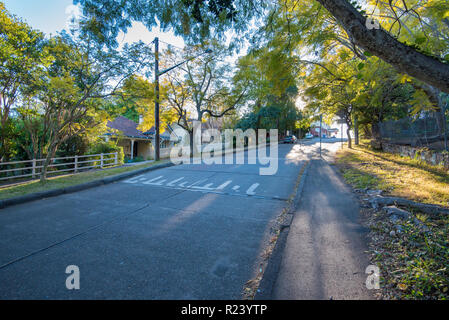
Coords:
pixel 171 45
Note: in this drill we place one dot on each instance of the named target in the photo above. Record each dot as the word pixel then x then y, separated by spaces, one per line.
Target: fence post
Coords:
pixel 101 161
pixel 116 158
pixel 76 164
pixel 34 169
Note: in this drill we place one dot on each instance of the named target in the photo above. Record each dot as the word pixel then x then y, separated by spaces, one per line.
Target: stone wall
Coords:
pixel 430 156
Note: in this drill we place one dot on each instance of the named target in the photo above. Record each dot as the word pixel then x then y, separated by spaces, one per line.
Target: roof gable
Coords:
pixel 129 129
pixel 126 126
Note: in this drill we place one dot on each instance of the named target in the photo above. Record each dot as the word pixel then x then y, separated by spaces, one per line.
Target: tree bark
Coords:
pixel 380 43
pixel 51 154
pixel 426 208
pixel 191 143
pixel 348 132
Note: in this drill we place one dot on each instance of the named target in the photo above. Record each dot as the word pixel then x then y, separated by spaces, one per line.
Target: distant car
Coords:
pixel 289 139
pixel 309 136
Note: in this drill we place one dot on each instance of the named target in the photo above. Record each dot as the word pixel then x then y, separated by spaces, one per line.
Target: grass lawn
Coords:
pixel 66 181
pixel 413 264
pixel 397 176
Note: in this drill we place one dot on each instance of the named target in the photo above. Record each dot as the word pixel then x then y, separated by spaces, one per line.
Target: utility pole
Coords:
pixel 157 74
pixel 321 131
pixel 156 101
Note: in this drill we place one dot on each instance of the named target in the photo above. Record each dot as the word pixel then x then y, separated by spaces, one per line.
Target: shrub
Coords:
pixel 75 145
pixel 135 159
pixel 107 147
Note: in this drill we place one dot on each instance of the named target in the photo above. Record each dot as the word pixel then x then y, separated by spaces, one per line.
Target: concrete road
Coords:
pixel 185 232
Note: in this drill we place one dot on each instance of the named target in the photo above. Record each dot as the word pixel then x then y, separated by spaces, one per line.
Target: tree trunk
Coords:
pixel 51 154
pixel 348 132
pixel 376 139
pixel 380 43
pixel 191 143
pixel 356 131
pixel 375 131
pixel 426 208
pixel 43 177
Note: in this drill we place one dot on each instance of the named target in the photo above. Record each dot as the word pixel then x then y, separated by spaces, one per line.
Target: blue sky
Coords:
pixel 51 16
pixel 48 16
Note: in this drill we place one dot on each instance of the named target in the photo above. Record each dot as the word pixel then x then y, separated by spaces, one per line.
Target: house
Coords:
pixel 136 143
pixel 333 132
pixel 315 129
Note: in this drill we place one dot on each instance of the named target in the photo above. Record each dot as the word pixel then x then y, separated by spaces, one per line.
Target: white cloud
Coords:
pixel 73 13
pixel 138 32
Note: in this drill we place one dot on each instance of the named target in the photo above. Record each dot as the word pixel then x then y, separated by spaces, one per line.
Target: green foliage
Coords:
pixel 63 92
pixel 116 107
pixel 75 145
pixel 192 19
pixel 107 147
pixel 21 53
pixel 8 142
pixel 278 113
pixel 134 160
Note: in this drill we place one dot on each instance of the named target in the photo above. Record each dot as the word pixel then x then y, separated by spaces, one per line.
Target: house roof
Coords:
pixel 129 129
pixel 165 134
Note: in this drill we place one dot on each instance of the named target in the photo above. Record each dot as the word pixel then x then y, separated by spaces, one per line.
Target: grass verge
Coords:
pixel 66 181
pixel 413 263
pixel 397 176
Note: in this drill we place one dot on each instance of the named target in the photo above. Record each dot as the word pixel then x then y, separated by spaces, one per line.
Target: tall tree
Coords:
pixel 21 55
pixel 139 92
pixel 218 15
pixel 200 88
pixel 68 90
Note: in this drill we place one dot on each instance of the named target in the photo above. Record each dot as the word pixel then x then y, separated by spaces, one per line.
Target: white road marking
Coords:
pixel 134 179
pixel 183 185
pixel 172 184
pixel 152 180
pixel 224 185
pixel 252 189
pixel 158 181
pixel 206 187
pixel 198 182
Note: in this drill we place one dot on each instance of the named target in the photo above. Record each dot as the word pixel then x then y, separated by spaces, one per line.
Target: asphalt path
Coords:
pixel 184 232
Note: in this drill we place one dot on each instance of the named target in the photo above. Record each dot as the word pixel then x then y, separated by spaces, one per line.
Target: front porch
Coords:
pixel 134 148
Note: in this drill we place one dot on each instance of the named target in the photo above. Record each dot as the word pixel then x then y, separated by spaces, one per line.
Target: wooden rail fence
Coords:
pixel 32 168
